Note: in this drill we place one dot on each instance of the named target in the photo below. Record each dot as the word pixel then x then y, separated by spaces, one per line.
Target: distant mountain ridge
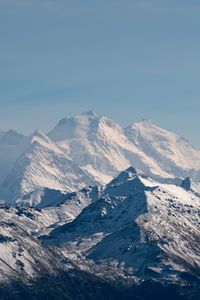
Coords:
pixel 173 153
pixel 44 165
pixel 87 149
pixel 134 230
pixel 104 148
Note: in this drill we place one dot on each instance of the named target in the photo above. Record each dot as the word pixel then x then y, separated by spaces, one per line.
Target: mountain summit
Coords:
pixel 97 149
pixel 100 146
pixel 104 148
pixel 132 228
pixel 173 153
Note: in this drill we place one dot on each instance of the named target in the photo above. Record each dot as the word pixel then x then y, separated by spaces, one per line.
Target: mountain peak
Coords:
pixel 13 132
pixel 62 121
pixel 130 171
pixel 126 175
pixel 89 113
pixel 12 137
pixel 144 123
pixel 39 138
pixel 37 134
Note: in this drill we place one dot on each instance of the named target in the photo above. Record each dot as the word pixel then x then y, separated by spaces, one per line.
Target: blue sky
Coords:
pixel 127 59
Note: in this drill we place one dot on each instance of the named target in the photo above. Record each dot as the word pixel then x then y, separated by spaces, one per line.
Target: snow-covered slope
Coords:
pixel 67 208
pixel 134 226
pixel 139 226
pixel 22 256
pixel 44 165
pixel 41 220
pixel 87 148
pixel 173 153
pixel 104 148
pixel 100 146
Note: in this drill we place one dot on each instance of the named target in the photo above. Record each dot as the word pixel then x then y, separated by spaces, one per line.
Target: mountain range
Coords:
pixel 130 232
pixel 91 210
pixel 87 150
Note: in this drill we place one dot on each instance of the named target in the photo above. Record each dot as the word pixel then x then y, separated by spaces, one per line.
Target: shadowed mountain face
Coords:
pixel 135 237
pixel 118 205
pixel 138 226
pixel 76 284
pixel 132 234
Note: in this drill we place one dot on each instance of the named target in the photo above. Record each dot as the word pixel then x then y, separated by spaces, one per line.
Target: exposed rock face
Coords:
pixel 186 184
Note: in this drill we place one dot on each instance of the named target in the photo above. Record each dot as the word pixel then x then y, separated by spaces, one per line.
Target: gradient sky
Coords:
pixel 127 59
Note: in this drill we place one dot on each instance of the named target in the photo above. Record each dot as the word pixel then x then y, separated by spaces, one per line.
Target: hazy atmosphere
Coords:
pixel 99 150
pixel 124 59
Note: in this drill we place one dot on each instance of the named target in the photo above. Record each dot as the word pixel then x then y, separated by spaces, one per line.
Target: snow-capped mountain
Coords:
pixel 88 140
pixel 173 153
pixel 137 226
pixel 100 146
pixel 87 149
pixel 22 256
pixel 134 229
pixel 64 208
pixel 44 165
pixel 104 148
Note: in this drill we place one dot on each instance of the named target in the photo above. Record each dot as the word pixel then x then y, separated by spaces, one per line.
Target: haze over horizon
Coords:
pixel 127 60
